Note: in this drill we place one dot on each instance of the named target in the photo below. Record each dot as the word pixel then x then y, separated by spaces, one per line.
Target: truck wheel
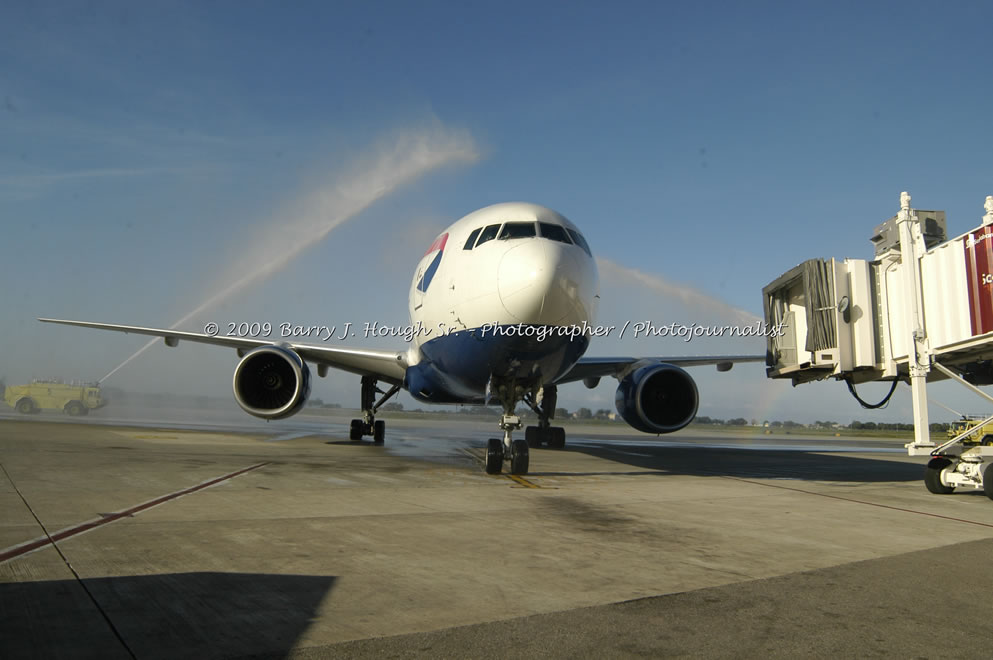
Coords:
pixel 74 408
pixel 25 406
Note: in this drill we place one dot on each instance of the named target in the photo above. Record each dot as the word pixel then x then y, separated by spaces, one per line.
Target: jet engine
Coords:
pixel 271 382
pixel 657 398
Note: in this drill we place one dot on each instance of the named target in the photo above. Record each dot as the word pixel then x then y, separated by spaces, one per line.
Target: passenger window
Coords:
pixel 580 241
pixel 488 234
pixel 472 238
pixel 517 230
pixel 553 232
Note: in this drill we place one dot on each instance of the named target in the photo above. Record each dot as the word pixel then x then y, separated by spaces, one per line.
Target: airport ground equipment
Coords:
pixel 979 432
pixel 73 397
pixel 920 311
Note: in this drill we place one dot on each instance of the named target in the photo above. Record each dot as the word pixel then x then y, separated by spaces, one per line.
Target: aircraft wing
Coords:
pixel 388 366
pixel 597 367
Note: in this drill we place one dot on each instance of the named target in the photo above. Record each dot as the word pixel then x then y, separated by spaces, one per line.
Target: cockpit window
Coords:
pixel 553 232
pixel 580 241
pixel 488 234
pixel 517 230
pixel 472 238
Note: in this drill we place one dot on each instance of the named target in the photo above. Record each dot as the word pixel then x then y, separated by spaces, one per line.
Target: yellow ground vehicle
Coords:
pixel 983 436
pixel 73 398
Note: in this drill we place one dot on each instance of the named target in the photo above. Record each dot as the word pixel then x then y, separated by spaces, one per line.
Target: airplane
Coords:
pixel 501 309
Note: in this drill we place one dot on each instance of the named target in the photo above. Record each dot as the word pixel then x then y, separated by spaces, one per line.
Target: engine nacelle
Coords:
pixel 271 382
pixel 657 398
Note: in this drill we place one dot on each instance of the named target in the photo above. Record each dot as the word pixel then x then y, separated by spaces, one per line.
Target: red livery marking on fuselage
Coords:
pixel 439 244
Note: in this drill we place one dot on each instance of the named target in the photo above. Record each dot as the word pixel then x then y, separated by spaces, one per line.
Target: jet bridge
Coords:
pixel 919 311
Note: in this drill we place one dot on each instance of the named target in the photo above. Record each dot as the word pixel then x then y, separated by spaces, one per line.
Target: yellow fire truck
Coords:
pixel 73 398
pixel 982 435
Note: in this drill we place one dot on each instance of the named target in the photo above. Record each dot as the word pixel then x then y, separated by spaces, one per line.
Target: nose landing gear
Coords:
pixel 514 451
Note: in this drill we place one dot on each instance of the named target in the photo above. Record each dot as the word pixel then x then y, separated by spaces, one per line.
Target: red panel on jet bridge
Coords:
pixel 979 274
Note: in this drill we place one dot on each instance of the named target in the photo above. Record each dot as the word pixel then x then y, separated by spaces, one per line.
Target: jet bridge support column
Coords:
pixel 919 357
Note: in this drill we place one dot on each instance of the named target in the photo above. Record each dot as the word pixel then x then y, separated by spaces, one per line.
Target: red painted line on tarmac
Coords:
pixel 29 546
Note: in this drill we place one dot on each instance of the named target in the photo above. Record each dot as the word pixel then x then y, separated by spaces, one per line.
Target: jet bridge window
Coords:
pixel 580 241
pixel 553 232
pixel 488 234
pixel 472 238
pixel 518 230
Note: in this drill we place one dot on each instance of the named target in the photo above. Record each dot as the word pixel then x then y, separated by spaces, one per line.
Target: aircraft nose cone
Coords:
pixel 545 283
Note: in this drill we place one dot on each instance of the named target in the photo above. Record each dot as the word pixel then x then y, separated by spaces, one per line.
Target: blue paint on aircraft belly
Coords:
pixel 457 367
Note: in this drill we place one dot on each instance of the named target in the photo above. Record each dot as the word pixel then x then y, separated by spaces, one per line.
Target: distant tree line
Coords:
pixel 319 403
pixel 734 421
pixel 937 427
pixel 604 414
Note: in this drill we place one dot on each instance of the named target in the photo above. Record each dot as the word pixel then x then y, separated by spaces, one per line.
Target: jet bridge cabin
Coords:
pixel 827 315
pixel 921 310
pixel 852 319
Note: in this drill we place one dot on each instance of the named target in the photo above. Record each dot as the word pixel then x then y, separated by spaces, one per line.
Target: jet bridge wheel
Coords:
pixel 494 456
pixel 988 481
pixel 932 476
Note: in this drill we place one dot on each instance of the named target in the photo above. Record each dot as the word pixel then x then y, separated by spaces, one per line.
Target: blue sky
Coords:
pixel 714 145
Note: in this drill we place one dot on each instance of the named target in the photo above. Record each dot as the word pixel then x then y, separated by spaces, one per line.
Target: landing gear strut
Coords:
pixel 515 451
pixel 544 406
pixel 369 425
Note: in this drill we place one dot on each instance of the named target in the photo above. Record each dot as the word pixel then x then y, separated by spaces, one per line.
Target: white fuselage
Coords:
pixel 511 264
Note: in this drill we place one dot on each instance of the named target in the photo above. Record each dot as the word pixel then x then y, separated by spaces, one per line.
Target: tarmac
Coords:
pixel 120 540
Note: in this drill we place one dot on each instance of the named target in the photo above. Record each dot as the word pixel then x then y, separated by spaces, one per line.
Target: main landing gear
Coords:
pixel 517 452
pixel 544 406
pixel 369 425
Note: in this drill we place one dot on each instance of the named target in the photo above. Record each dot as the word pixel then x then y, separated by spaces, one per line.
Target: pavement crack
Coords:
pixel 68 564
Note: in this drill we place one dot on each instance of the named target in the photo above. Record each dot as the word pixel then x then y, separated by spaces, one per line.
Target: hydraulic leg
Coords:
pixel 514 451
pixel 543 404
pixel 369 425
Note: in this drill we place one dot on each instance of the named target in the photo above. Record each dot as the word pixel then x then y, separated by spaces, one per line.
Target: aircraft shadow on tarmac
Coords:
pixel 188 615
pixel 750 463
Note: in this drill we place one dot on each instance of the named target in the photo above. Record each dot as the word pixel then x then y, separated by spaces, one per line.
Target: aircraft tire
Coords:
pixel 532 435
pixel 556 439
pixel 519 457
pixel 355 430
pixel 932 476
pixel 988 481
pixel 494 456
pixel 379 432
